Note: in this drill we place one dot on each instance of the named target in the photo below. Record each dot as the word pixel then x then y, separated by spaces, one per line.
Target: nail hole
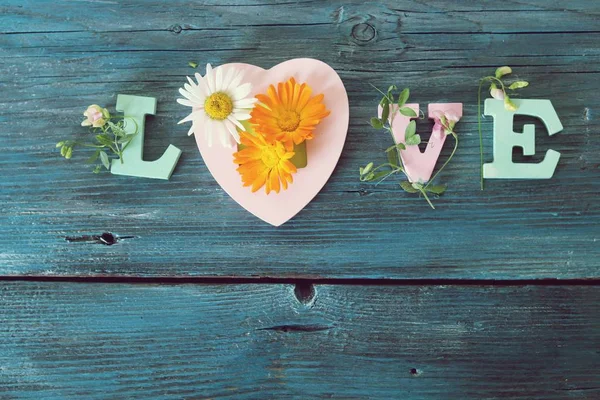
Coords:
pixel 415 372
pixel 305 293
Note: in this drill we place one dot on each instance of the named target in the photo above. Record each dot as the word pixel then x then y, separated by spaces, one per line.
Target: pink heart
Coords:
pixel 323 151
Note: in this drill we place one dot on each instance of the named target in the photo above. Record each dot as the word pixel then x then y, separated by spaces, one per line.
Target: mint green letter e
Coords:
pixel 505 139
pixel 135 108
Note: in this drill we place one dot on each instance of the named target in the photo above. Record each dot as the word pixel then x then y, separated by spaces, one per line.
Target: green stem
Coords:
pixel 384 94
pixel 398 151
pixel 87 145
pixel 480 134
pixel 427 198
pixel 390 174
pixel 447 161
pixel 395 168
pixel 481 82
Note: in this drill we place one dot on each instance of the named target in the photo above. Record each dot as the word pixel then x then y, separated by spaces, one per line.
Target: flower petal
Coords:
pixel 209 79
pixel 235 122
pixel 190 117
pixel 219 79
pixel 232 130
pixel 235 81
pixel 186 102
pixel 241 116
pixel 242 91
pixel 202 84
pixel 208 132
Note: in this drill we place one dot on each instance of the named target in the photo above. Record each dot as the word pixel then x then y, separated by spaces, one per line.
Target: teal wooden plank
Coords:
pixel 57 60
pixel 103 341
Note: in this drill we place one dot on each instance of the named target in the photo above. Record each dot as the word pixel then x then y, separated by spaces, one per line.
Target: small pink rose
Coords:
pixel 96 116
pixel 496 93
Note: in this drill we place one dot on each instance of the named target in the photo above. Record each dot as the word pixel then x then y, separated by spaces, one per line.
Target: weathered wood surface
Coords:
pixel 58 57
pixel 99 341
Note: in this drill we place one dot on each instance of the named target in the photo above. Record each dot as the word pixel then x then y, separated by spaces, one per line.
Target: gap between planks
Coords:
pixel 208 280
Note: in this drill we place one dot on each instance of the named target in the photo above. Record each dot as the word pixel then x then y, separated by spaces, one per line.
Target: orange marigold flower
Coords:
pixel 263 163
pixel 288 114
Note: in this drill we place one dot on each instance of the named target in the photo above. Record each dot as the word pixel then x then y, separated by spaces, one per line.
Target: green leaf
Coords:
pixel 408 112
pixel 193 64
pixel 411 129
pixel 390 95
pixel 367 168
pixel 518 85
pixel 68 153
pixel 376 123
pixel 104 159
pixel 63 150
pixel 60 144
pixel 97 169
pixel 400 146
pixel 403 98
pixel 414 140
pixel 385 111
pixel 104 140
pixel 377 176
pixel 501 71
pixel 93 158
pixel 436 189
pixel 126 138
pixel 392 157
pixel 407 186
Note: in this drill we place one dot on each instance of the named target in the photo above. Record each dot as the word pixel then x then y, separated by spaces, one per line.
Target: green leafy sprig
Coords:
pixel 370 173
pixel 110 141
pixel 498 90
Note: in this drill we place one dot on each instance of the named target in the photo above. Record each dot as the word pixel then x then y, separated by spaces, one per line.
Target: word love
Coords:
pixel 419 165
pixel 136 108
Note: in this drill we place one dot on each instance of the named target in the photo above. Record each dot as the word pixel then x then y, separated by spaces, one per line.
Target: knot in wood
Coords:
pixel 176 29
pixel 108 239
pixel 363 32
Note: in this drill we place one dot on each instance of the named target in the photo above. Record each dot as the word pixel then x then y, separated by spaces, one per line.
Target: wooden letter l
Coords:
pixel 135 109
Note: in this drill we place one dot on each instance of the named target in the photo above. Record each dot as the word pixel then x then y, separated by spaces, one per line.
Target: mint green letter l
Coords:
pixel 136 108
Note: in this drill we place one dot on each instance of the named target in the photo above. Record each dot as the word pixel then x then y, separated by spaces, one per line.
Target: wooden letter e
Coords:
pixel 505 139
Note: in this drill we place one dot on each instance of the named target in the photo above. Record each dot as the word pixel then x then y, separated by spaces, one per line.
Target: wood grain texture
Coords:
pixel 98 341
pixel 58 57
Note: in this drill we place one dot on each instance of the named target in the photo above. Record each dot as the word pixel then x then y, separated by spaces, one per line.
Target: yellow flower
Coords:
pixel 263 163
pixel 96 116
pixel 288 114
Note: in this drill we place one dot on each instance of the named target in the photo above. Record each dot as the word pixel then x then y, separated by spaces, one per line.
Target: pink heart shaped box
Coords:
pixel 323 151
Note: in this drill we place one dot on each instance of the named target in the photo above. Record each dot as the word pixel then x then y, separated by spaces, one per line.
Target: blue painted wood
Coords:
pixel 102 341
pixel 58 57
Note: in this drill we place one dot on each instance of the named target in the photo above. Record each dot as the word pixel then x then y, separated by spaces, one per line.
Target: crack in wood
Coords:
pixel 105 238
pixel 291 328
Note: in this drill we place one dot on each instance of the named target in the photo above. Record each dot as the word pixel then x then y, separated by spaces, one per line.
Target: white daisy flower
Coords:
pixel 219 102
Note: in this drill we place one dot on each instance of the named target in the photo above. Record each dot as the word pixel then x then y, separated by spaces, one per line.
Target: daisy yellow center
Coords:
pixel 288 120
pixel 218 106
pixel 269 156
